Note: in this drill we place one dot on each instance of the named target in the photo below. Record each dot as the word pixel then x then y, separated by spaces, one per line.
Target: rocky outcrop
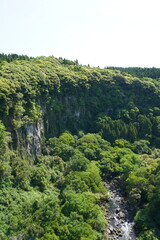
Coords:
pixel 34 134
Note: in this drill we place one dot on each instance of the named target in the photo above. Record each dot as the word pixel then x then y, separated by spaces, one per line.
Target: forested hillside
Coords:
pixel 64 130
pixel 140 72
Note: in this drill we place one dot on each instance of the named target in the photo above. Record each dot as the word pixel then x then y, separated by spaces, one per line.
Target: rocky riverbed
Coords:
pixel 120 223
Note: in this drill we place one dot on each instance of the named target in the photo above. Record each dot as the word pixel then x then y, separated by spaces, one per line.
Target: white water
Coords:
pixel 120 226
pixel 127 230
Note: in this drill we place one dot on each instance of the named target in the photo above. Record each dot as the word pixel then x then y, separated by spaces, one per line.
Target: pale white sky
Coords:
pixel 96 32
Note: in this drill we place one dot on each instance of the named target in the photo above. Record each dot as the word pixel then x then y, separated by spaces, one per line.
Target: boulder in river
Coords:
pixel 121 214
pixel 118 210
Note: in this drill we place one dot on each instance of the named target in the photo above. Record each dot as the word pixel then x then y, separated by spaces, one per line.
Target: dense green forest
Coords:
pixel 140 72
pixel 64 130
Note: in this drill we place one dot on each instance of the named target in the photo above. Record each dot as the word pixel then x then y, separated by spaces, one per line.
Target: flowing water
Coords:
pixel 120 224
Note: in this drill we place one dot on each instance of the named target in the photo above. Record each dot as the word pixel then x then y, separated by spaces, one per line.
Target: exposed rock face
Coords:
pixel 120 225
pixel 34 134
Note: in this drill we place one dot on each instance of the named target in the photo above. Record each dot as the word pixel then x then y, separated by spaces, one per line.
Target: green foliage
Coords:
pixel 141 147
pixel 148 235
pixel 52 197
pixel 67 138
pixel 85 205
pixel 2 133
pixel 128 163
pixel 78 162
pixel 56 193
pixel 12 57
pixel 140 72
pixel 53 88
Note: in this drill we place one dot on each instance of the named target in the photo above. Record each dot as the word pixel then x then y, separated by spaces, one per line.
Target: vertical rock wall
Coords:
pixel 34 134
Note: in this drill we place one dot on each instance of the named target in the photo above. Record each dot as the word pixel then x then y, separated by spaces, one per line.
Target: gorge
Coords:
pixel 66 128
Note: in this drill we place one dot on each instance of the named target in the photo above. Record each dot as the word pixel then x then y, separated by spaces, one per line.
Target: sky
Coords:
pixel 96 32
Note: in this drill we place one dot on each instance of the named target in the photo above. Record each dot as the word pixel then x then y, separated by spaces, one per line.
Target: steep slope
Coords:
pixel 51 172
pixel 48 95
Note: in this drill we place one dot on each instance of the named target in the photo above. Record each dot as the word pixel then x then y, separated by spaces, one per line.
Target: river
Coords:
pixel 120 224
